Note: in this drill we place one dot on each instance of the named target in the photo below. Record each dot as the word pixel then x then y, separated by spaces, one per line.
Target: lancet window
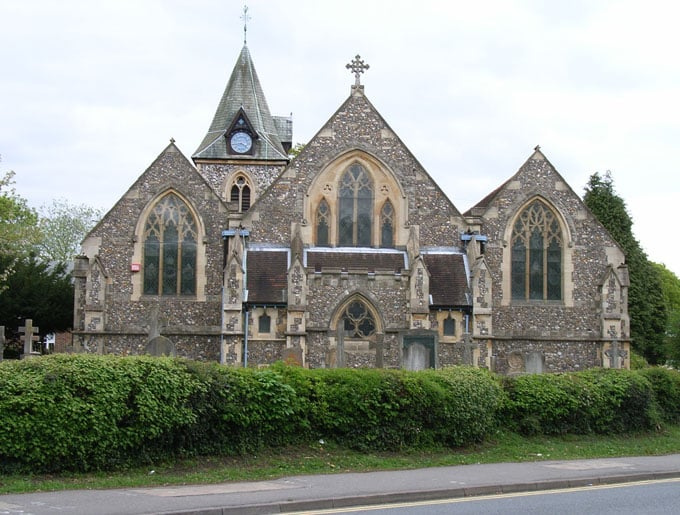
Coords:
pixel 355 204
pixel 387 225
pixel 240 194
pixel 323 215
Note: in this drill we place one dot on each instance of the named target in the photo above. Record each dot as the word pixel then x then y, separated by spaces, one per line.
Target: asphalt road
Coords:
pixel 658 497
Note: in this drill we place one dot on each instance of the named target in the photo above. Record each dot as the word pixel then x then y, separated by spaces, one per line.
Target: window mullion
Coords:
pixel 527 269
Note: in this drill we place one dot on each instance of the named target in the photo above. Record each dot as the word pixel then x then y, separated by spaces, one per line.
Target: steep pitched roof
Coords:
pixel 243 90
pixel 267 276
pixel 448 279
pixel 480 207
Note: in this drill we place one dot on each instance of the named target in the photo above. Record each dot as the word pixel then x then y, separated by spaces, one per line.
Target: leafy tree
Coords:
pixel 670 286
pixel 62 227
pixel 18 226
pixel 295 150
pixel 646 307
pixel 38 291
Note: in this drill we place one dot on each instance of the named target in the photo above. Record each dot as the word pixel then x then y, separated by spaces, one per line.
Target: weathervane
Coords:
pixel 357 66
pixel 245 17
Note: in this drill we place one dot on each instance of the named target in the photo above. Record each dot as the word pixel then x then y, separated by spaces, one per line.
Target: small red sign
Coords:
pixel 135 267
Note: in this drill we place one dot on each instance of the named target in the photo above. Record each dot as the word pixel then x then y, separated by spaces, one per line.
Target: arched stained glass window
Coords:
pixel 323 216
pixel 170 249
pixel 355 204
pixel 536 255
pixel 387 225
pixel 358 321
pixel 240 193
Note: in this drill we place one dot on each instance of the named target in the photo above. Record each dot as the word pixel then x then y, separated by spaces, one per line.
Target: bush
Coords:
pixel 666 385
pixel 595 401
pixel 83 412
pixel 394 409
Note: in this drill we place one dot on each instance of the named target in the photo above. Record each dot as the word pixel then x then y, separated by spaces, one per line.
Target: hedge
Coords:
pixel 373 409
pixel 594 401
pixel 82 412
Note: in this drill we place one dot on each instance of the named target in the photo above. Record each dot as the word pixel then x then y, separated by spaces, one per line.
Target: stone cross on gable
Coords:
pixel 30 335
pixel 2 341
pixel 357 66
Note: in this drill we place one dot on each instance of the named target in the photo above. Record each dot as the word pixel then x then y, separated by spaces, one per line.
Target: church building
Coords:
pixel 346 255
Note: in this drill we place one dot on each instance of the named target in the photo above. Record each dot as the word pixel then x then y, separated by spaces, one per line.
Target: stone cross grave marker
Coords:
pixel 30 335
pixel 468 347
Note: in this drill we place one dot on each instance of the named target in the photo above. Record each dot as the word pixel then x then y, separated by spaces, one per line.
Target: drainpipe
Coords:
pixel 245 340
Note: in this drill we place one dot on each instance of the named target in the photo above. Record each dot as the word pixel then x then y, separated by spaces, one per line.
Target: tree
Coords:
pixel 18 222
pixel 295 150
pixel 37 291
pixel 670 286
pixel 18 226
pixel 646 307
pixel 62 227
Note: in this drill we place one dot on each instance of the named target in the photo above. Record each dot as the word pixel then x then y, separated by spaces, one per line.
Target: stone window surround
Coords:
pixel 137 278
pixel 386 187
pixel 232 181
pixel 567 255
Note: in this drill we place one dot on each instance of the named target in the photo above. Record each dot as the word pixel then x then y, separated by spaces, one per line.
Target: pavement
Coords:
pixel 313 493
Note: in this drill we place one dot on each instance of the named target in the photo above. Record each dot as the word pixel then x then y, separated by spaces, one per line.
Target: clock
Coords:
pixel 241 142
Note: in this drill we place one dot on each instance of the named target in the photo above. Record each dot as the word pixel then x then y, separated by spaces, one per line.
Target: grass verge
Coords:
pixel 323 458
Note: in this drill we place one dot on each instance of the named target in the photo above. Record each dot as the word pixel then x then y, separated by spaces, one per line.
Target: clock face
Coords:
pixel 241 142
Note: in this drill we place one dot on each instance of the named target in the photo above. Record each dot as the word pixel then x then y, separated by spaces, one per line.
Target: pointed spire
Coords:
pixel 243 91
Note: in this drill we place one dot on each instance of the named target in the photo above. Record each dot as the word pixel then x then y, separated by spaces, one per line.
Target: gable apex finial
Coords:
pixel 357 67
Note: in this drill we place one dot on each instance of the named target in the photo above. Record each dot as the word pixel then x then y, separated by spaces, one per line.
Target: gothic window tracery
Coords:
pixel 170 237
pixel 537 255
pixel 358 321
pixel 355 205
pixel 240 194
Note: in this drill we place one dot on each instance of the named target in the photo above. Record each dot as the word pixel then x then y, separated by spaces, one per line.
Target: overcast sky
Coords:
pixel 91 92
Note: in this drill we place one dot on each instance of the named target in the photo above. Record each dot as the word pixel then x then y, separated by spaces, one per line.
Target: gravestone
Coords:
pixel 158 345
pixel 292 356
pixel 615 354
pixel 468 350
pixel 30 336
pixel 534 362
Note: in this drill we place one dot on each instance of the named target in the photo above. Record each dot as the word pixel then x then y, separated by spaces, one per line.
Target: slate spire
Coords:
pixel 273 134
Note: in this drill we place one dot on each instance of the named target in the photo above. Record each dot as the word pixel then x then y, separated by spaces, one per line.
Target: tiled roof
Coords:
pixel 359 260
pixel 448 279
pixel 267 276
pixel 243 90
